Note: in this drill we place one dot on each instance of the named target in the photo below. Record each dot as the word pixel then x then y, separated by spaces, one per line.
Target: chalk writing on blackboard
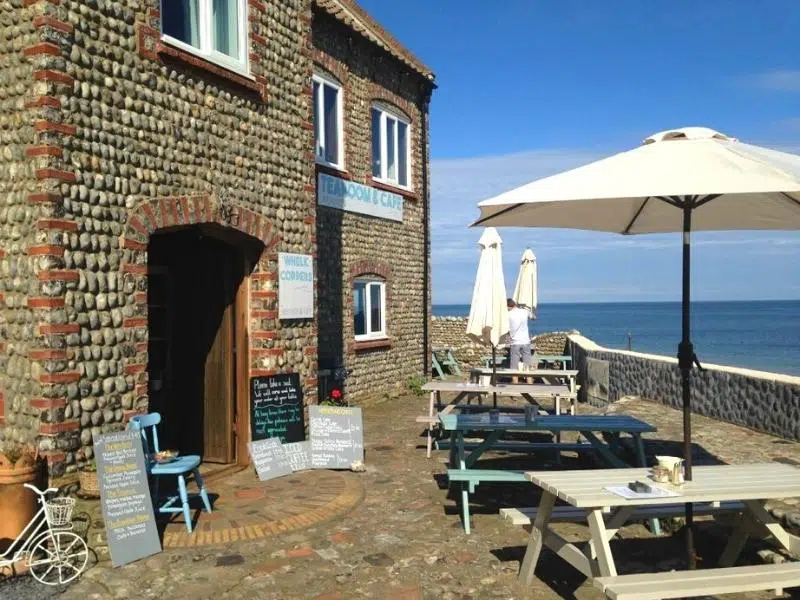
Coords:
pixel 276 407
pixel 337 436
pixel 299 455
pixel 269 459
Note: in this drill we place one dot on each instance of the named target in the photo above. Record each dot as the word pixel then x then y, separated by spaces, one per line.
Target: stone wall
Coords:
pixel 351 244
pixel 123 137
pixel 450 332
pixel 763 401
pixel 19 121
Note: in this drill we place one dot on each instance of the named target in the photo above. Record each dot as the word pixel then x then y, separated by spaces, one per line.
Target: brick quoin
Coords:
pixel 59 328
pixel 40 101
pixel 62 128
pixel 43 197
pixel 45 21
pixel 42 48
pixel 57 224
pixel 54 77
pixel 46 302
pixel 53 428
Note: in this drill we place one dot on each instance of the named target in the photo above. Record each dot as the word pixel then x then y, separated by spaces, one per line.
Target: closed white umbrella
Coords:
pixel 525 291
pixel 678 180
pixel 488 312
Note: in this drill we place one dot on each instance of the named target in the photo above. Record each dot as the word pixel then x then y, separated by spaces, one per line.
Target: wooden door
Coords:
pixel 219 390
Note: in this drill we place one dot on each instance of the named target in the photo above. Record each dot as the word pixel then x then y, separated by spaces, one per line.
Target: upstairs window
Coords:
pixel 391 151
pixel 369 309
pixel 328 122
pixel 215 30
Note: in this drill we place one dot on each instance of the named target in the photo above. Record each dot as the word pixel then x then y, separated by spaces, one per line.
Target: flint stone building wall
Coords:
pixel 111 138
pixel 351 244
pixel 450 332
pixel 759 400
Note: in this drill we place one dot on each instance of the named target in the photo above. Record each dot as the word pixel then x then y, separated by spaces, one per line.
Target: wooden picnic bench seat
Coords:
pixel 475 476
pixel 526 515
pixel 701 582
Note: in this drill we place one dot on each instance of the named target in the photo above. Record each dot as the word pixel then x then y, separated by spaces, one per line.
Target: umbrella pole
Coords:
pixel 686 358
pixel 494 375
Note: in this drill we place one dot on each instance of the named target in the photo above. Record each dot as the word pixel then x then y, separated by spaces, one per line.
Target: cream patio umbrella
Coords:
pixel 488 312
pixel 681 180
pixel 525 291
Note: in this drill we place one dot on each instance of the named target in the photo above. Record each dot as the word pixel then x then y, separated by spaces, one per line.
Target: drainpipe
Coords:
pixel 426 224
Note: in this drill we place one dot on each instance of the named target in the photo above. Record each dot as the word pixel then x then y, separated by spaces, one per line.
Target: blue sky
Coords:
pixel 528 88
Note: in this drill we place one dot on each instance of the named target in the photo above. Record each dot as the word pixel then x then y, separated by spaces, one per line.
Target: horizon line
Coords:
pixel 678 301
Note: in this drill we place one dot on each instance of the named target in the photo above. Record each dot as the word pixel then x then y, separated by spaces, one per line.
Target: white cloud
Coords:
pixel 776 80
pixel 580 265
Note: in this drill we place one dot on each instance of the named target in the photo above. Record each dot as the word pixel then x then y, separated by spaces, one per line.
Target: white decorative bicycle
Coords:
pixel 55 555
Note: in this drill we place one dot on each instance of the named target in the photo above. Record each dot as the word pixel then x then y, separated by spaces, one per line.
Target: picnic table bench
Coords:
pixel 461 464
pixel 443 358
pixel 533 393
pixel 549 376
pixel 749 485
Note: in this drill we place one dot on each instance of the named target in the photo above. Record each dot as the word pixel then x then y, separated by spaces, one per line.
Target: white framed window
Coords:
pixel 369 309
pixel 391 147
pixel 215 30
pixel 328 130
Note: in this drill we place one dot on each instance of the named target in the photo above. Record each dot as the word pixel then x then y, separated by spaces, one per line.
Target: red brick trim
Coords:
pixel 127 415
pixel 371 267
pixel 263 335
pixel 46 250
pixel 44 197
pixel 58 328
pixel 58 275
pixel 42 48
pixel 380 95
pixel 372 344
pixel 133 369
pixel 48 403
pixel 43 101
pixel 262 372
pixel 165 49
pixel 333 171
pixel 157 213
pixel 257 294
pixel 53 76
pixel 45 21
pixel 329 66
pixel 407 194
pixel 266 351
pixel 46 302
pixel 53 428
pixel 47 354
pixel 64 176
pixel 57 224
pixel 63 377
pixel 56 127
pixel 135 322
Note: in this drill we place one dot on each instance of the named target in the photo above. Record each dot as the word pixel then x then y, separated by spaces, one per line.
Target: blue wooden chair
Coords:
pixel 180 467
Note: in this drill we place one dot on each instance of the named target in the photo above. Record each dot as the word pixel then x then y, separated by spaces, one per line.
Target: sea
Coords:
pixel 762 335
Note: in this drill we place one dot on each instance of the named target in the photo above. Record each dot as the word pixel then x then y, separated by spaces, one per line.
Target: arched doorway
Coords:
pixel 197 343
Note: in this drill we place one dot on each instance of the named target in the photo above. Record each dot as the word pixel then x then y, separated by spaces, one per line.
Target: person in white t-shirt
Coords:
pixel 520 337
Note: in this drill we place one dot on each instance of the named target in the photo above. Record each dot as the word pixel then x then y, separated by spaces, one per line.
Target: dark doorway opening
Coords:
pixel 197 345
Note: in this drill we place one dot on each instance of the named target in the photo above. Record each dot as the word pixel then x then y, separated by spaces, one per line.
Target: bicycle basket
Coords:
pixel 59 511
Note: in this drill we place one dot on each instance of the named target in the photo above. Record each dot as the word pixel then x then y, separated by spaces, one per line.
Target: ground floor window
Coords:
pixel 369 309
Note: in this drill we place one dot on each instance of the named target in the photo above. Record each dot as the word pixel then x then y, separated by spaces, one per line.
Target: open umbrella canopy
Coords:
pixel 488 313
pixel 633 192
pixel 525 290
pixel 685 180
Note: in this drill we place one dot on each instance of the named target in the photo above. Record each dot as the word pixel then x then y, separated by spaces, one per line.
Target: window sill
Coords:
pixel 396 189
pixel 372 344
pixel 164 48
pixel 335 171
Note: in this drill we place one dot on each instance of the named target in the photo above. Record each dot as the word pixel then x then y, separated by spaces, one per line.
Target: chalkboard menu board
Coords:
pixel 276 408
pixel 125 497
pixel 337 436
pixel 299 455
pixel 269 459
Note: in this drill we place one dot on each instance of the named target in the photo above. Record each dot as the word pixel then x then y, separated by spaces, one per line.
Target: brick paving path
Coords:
pixel 404 540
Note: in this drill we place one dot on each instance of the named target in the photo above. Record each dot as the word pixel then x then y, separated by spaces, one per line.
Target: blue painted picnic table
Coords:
pixel 461 464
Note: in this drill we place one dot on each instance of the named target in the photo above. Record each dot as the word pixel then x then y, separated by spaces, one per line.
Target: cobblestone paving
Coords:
pixel 405 541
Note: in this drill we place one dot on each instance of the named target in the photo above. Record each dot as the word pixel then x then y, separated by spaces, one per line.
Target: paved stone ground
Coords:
pixel 405 540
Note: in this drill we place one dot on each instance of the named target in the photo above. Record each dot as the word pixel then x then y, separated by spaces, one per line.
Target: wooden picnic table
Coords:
pixel 533 393
pixel 461 464
pixel 752 484
pixel 550 376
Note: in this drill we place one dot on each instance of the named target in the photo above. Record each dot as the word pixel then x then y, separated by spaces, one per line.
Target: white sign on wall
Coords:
pixel 354 197
pixel 295 286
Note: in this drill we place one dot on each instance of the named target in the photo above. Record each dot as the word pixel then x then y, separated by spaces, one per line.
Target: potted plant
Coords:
pixel 19 464
pixel 87 477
